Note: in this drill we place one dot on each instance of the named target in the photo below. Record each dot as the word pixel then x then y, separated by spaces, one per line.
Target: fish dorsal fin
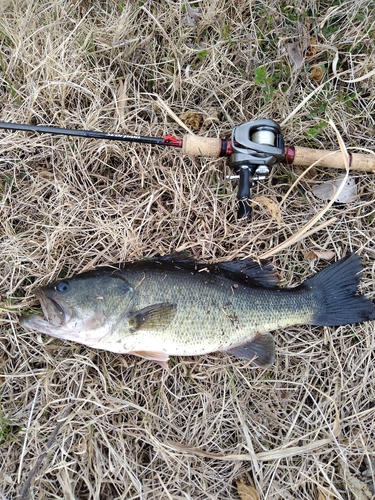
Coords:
pixel 161 357
pixel 247 271
pixel 260 349
pixel 154 317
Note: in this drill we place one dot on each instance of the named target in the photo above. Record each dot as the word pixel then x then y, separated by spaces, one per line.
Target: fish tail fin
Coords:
pixel 335 292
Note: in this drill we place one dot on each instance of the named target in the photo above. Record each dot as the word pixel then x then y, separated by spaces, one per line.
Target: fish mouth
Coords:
pixel 54 312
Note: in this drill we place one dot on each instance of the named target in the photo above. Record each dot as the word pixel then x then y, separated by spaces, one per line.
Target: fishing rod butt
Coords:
pixel 330 159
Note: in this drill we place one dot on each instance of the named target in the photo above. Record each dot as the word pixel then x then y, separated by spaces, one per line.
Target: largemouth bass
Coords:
pixel 168 306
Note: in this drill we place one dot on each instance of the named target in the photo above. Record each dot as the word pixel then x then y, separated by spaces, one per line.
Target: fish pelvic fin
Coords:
pixel 161 358
pixel 260 349
pixel 335 293
pixel 154 317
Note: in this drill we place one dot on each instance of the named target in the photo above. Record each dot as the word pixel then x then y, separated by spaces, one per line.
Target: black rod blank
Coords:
pixel 90 134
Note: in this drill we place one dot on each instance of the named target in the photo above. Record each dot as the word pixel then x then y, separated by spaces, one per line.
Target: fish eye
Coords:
pixel 62 286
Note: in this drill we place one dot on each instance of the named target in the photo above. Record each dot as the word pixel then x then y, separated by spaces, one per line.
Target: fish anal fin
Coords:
pixel 260 349
pixel 161 357
pixel 154 317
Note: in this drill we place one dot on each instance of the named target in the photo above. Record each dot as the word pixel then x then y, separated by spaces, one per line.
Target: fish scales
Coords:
pixel 213 312
pixel 154 309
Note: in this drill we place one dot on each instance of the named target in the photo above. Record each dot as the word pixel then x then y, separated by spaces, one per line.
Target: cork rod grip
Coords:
pixel 333 159
pixel 201 146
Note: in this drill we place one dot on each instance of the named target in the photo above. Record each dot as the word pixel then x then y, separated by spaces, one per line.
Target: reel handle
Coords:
pixel 245 173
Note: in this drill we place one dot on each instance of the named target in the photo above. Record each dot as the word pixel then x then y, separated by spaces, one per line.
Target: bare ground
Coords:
pixel 80 424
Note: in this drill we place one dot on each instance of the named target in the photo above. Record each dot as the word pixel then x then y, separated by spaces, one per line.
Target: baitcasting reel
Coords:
pixel 256 146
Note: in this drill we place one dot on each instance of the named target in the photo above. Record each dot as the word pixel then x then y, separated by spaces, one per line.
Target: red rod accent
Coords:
pixel 289 154
pixel 229 148
pixel 170 140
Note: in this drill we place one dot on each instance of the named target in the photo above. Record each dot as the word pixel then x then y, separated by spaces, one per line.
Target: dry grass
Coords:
pixel 111 426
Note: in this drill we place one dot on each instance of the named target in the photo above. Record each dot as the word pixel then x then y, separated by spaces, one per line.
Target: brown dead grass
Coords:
pixel 116 427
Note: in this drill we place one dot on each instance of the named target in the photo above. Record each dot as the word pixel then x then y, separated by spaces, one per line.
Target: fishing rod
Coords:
pixel 254 147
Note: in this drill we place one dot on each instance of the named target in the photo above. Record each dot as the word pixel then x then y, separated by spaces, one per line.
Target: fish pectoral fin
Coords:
pixel 261 349
pixel 155 317
pixel 161 358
